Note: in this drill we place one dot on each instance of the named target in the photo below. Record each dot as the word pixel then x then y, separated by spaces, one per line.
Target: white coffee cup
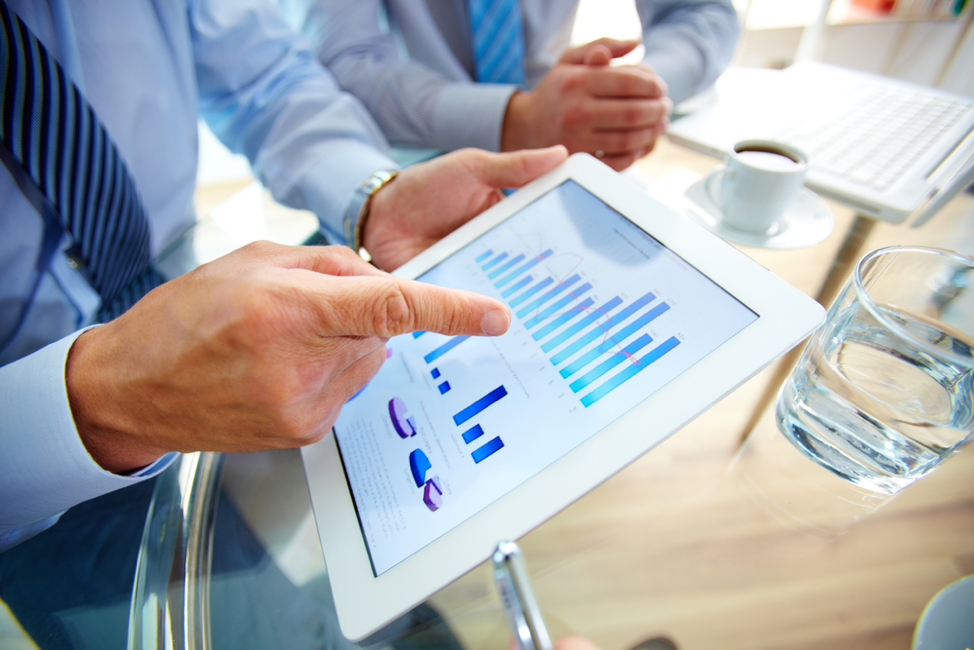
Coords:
pixel 760 181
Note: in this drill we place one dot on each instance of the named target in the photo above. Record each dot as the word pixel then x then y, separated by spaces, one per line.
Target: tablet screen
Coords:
pixel 603 316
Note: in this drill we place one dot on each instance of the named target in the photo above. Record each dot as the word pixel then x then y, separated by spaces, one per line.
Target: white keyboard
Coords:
pixel 874 137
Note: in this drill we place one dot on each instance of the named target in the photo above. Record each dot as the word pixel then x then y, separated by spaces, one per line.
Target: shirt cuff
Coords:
pixel 44 466
pixel 327 188
pixel 471 115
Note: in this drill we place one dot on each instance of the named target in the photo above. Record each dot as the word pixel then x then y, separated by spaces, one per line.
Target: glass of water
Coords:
pixel 882 393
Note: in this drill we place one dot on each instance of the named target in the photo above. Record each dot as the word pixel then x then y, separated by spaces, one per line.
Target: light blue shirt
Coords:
pixel 150 68
pixel 411 61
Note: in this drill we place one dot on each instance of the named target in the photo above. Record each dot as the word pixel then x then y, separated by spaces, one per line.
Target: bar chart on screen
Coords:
pixel 609 339
pixel 603 315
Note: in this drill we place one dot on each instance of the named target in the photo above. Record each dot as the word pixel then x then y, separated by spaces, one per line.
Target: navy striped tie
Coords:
pixel 498 40
pixel 53 133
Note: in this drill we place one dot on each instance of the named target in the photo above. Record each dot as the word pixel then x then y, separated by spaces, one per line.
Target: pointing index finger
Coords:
pixel 389 306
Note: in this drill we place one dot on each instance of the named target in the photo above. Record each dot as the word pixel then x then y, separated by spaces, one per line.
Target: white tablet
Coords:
pixel 629 320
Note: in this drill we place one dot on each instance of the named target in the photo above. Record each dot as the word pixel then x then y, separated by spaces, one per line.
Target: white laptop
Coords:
pixel 880 145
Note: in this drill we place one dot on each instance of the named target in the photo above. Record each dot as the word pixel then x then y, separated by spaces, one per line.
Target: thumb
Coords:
pixel 613 46
pixel 597 56
pixel 518 168
pixel 389 306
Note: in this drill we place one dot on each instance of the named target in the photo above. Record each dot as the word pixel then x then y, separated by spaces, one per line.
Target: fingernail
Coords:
pixel 495 322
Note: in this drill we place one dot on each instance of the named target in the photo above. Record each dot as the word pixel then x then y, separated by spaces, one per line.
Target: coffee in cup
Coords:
pixel 760 181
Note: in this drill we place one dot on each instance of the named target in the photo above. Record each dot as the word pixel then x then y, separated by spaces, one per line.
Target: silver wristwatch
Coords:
pixel 358 208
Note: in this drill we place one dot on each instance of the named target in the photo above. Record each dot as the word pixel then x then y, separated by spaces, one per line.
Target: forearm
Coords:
pixel 413 105
pixel 688 44
pixel 44 465
pixel 265 94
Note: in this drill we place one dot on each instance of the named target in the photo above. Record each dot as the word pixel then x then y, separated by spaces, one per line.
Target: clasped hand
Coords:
pixel 615 112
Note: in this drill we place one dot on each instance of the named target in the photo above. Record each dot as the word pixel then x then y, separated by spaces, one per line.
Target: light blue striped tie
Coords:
pixel 53 133
pixel 498 40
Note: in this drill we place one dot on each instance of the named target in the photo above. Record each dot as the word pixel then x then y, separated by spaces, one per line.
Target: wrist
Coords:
pixel 517 125
pixel 91 376
pixel 360 208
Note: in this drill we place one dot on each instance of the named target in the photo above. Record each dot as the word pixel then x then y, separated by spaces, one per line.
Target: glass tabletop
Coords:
pixel 224 549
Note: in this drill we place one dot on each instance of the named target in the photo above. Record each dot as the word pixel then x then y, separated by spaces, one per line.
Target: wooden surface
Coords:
pixel 672 545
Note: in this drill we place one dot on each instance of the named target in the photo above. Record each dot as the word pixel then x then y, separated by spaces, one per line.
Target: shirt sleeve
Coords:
pixel 688 43
pixel 44 466
pixel 264 94
pixel 412 104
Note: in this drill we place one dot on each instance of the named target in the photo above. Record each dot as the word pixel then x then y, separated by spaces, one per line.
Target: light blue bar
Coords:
pixel 548 296
pixel 494 261
pixel 577 310
pixel 613 341
pixel 621 377
pixel 550 311
pixel 483 256
pixel 508 264
pixel 585 322
pixel 601 329
pixel 610 363
pixel 479 405
pixel 516 287
pixel 487 449
pixel 521 269
pixel 443 349
pixel 530 292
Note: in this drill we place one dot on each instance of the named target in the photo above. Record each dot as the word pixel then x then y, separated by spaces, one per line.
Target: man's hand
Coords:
pixel 428 201
pixel 259 349
pixel 588 105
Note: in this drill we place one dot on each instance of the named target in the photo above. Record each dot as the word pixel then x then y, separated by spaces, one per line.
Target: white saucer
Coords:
pixel 807 222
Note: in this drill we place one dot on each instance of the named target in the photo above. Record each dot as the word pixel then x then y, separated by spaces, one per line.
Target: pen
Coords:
pixel 520 606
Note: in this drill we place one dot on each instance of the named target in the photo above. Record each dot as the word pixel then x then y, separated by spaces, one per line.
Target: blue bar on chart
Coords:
pixel 479 405
pixel 521 269
pixel 446 347
pixel 585 322
pixel 530 292
pixel 483 256
pixel 500 269
pixel 628 373
pixel 487 449
pixel 487 266
pixel 577 310
pixel 602 329
pixel 472 434
pixel 517 286
pixel 614 340
pixel 550 311
pixel 548 296
pixel 435 372
pixel 610 363
pixel 444 387
pixel 416 335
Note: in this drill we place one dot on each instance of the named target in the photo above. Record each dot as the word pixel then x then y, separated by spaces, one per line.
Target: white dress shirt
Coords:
pixel 150 68
pixel 426 97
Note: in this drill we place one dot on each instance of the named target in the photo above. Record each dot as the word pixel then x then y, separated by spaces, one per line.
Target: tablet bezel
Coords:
pixel 365 603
